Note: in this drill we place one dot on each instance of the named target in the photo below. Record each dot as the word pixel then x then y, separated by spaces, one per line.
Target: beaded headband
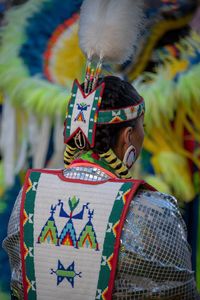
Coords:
pixel 121 114
pixel 83 115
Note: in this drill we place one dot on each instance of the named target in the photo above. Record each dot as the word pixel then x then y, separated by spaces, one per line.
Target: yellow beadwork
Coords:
pixel 69 155
pixel 115 163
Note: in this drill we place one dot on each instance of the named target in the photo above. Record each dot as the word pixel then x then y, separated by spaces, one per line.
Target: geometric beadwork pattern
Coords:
pixel 82 113
pixel 87 237
pixel 120 115
pixel 69 242
pixel 109 254
pixel 49 232
pixel 27 248
pixel 69 273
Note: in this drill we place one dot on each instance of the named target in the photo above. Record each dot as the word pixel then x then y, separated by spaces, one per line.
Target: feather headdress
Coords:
pixel 109 29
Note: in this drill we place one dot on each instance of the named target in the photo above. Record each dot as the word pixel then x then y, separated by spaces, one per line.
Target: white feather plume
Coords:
pixel 109 29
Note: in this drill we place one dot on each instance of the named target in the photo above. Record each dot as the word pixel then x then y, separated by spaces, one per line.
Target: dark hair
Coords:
pixel 117 93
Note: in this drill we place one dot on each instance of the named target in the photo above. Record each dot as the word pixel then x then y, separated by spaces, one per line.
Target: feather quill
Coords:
pixel 109 29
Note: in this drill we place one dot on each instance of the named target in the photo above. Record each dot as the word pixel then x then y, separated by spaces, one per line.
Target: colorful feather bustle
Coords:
pixel 24 90
pixel 26 59
pixel 109 28
pixel 172 108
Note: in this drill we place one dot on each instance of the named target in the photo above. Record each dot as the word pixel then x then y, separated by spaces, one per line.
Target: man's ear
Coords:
pixel 124 141
pixel 126 135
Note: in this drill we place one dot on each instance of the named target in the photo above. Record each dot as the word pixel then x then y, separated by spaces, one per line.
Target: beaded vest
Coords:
pixel 70 234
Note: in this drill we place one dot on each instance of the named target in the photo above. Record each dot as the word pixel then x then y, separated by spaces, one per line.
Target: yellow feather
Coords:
pixel 174 170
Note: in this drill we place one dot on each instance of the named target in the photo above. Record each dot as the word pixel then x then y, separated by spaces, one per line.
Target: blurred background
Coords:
pixel 39 59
